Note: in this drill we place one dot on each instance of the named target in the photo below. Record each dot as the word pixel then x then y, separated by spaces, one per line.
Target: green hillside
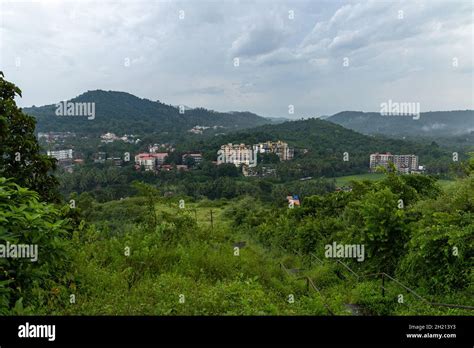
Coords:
pixel 124 113
pixel 320 146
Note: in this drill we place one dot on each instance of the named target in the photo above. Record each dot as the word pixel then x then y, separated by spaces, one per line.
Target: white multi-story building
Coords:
pixel 237 154
pixel 280 148
pixel 61 155
pixel 406 163
pixel 403 163
pixel 380 159
pixel 150 160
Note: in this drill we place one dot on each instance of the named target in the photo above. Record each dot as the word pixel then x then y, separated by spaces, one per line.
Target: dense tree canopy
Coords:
pixel 20 156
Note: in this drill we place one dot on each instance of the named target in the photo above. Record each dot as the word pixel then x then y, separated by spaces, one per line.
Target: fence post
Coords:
pixel 212 222
pixel 383 285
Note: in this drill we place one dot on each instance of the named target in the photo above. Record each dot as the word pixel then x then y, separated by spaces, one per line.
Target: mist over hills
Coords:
pixel 435 123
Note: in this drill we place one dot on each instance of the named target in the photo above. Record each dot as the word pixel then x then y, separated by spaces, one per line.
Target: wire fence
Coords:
pixel 309 284
pixel 384 276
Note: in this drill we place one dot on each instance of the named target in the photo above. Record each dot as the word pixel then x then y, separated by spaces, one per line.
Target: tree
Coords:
pixel 227 169
pixel 152 195
pixel 189 161
pixel 377 222
pixel 173 158
pixel 26 221
pixel 441 249
pixel 20 156
pixel 268 158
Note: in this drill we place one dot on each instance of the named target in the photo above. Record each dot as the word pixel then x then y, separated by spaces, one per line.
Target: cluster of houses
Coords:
pixel 240 155
pixel 111 137
pixel 200 129
pixel 155 161
pixel 55 137
pixel 236 154
pixel 405 164
pixel 164 147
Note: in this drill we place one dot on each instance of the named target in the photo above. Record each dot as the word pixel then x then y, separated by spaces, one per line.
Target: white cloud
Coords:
pixel 66 48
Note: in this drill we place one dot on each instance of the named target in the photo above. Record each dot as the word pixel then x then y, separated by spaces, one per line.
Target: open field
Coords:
pixel 345 180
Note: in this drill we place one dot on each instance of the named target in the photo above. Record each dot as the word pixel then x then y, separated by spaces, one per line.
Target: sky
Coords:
pixel 288 59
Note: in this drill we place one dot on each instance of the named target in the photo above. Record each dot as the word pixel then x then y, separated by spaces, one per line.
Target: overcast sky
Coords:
pixel 320 56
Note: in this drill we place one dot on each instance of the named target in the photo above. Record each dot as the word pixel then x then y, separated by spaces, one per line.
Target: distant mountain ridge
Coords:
pixel 123 112
pixel 435 123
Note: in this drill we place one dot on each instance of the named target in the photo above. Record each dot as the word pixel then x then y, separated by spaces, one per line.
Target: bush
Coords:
pixel 24 220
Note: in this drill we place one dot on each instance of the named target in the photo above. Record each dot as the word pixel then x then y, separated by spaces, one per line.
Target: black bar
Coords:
pixel 241 330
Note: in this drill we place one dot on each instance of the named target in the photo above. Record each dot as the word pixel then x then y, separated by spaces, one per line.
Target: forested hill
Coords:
pixel 438 123
pixel 122 112
pixel 320 146
pixel 318 136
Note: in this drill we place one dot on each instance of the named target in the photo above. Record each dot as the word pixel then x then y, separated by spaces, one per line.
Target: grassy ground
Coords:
pixel 445 183
pixel 345 180
pixel 198 275
pixel 201 275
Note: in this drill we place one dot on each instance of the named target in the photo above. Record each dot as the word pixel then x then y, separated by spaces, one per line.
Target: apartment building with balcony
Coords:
pixel 403 163
pixel 280 148
pixel 237 154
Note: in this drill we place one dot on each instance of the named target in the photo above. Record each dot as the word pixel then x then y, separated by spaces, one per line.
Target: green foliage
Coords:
pixel 408 226
pixel 184 256
pixel 268 158
pixel 368 294
pixel 195 263
pixel 24 220
pixel 440 253
pixel 151 195
pixel 425 186
pixel 376 222
pixel 19 150
pixel 114 217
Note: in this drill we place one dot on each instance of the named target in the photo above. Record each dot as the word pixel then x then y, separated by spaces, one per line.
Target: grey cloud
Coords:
pixel 257 40
pixel 69 47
